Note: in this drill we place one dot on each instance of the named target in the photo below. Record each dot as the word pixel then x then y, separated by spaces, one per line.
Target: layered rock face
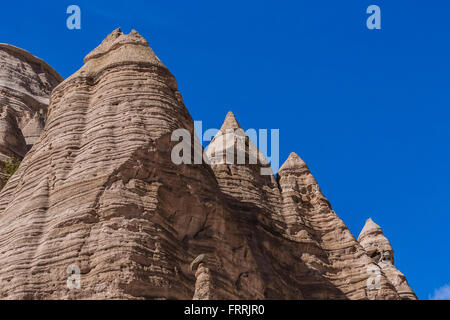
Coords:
pixel 99 190
pixel 100 193
pixel 310 219
pixel 12 141
pixel 25 86
pixel 380 251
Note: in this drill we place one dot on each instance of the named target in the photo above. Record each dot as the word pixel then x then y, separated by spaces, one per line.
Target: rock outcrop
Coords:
pixel 33 129
pixel 100 193
pixel 12 141
pixel 380 251
pixel 25 86
pixel 204 287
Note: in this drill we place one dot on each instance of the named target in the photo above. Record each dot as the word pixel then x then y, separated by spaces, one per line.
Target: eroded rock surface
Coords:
pixel 12 141
pixel 99 190
pixel 25 86
pixel 379 249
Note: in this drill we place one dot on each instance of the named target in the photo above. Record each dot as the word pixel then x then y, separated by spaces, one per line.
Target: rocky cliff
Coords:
pixel 99 193
pixel 25 86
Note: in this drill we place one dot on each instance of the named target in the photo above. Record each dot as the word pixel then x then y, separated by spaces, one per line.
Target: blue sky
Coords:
pixel 368 110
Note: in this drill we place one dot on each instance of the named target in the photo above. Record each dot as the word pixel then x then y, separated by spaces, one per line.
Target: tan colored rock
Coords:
pixel 309 216
pixel 33 129
pixel 204 288
pixel 25 86
pixel 12 142
pixel 379 249
pixel 237 164
pixel 99 192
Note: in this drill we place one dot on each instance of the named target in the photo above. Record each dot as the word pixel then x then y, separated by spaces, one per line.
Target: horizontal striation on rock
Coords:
pixel 99 190
pixel 380 251
pixel 310 217
pixel 25 86
pixel 256 201
pixel 12 141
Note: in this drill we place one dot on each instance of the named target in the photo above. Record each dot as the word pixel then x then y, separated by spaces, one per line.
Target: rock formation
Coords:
pixel 99 193
pixel 33 129
pixel 380 251
pixel 12 141
pixel 204 288
pixel 25 86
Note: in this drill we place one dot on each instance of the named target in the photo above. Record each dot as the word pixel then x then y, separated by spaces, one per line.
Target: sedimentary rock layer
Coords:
pixel 12 141
pixel 25 86
pixel 99 191
pixel 380 251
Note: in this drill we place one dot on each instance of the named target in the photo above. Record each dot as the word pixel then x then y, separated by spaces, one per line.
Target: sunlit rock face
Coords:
pixel 99 191
pixel 26 83
pixel 380 251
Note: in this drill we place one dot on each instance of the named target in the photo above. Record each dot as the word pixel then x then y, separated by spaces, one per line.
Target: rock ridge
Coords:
pixel 26 83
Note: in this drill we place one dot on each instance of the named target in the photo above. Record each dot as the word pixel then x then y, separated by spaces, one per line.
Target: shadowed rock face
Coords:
pixel 99 190
pixel 25 86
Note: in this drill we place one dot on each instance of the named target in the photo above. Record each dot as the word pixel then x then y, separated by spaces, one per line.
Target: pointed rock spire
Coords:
pixel 370 227
pixel 375 243
pixel 231 145
pixel 293 162
pixel 295 174
pixel 230 123
pixel 235 158
pixel 114 40
pixel 119 48
pixel 380 251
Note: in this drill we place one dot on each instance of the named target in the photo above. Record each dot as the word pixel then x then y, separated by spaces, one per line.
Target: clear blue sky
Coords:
pixel 367 110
